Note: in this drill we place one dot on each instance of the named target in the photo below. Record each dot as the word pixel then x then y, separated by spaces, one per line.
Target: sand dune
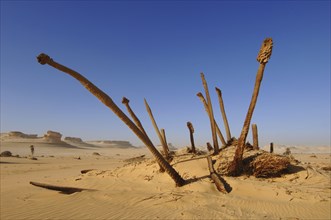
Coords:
pixel 127 185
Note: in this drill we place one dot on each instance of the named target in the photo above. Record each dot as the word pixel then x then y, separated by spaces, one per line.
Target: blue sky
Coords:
pixel 156 50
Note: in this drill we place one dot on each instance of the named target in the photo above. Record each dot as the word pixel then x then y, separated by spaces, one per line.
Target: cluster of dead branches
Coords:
pixel 235 167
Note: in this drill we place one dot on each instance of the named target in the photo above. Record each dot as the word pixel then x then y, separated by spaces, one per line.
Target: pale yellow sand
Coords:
pixel 136 190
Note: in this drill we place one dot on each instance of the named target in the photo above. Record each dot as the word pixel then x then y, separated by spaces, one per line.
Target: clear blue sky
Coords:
pixel 156 50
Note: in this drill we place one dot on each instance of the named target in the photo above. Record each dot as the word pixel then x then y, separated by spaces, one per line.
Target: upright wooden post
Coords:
pixel 255 137
pixel 191 129
pixel 271 147
pixel 163 143
pixel 263 57
pixel 211 114
pixel 164 137
pixel 205 104
pixel 126 101
pixel 225 119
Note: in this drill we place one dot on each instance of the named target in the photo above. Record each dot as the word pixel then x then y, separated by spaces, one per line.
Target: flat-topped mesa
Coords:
pixel 73 139
pixel 53 137
pixel 18 134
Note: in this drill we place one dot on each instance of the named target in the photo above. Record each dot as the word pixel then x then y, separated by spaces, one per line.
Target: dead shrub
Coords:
pixel 269 165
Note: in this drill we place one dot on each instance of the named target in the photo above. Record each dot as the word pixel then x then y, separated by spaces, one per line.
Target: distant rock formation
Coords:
pixel 108 143
pixel 19 134
pixel 53 137
pixel 73 139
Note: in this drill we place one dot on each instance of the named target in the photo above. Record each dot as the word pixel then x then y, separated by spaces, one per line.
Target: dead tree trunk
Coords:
pixel 136 120
pixel 62 189
pixel 191 129
pixel 225 119
pixel 271 147
pixel 105 99
pixel 219 181
pixel 126 101
pixel 211 114
pixel 164 137
pixel 205 104
pixel 255 137
pixel 163 143
pixel 263 57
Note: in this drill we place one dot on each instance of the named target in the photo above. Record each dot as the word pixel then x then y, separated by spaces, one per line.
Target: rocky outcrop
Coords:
pixel 19 134
pixel 73 139
pixel 108 143
pixel 53 137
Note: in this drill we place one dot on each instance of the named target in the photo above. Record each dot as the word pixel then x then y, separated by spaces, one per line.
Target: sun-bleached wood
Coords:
pixel 218 130
pixel 105 99
pixel 211 114
pixel 263 57
pixel 157 130
pixel 225 119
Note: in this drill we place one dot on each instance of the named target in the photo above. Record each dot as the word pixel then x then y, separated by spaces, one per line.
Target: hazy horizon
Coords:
pixel 157 50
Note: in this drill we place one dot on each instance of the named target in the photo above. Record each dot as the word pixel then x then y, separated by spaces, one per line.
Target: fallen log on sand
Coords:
pixel 86 171
pixel 220 183
pixel 62 189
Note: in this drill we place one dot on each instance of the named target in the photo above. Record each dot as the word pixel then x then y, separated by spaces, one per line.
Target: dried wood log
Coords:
pixel 225 119
pixel 105 99
pixel 158 132
pixel 86 171
pixel 211 114
pixel 263 57
pixel 255 137
pixel 220 183
pixel 271 147
pixel 191 129
pixel 205 104
pixel 126 101
pixel 62 189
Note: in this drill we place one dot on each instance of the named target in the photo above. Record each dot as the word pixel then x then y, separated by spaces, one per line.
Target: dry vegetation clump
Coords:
pixel 258 163
pixel 6 154
pixel 269 165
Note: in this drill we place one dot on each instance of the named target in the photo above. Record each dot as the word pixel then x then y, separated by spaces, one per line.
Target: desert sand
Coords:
pixel 125 183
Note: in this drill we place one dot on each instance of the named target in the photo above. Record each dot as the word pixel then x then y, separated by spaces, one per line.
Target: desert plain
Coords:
pixel 124 182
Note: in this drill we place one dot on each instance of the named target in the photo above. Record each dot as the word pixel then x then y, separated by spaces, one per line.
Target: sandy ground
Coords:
pixel 135 189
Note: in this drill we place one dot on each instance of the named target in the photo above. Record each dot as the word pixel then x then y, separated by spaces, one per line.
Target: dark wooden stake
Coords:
pixel 255 137
pixel 191 129
pixel 271 147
